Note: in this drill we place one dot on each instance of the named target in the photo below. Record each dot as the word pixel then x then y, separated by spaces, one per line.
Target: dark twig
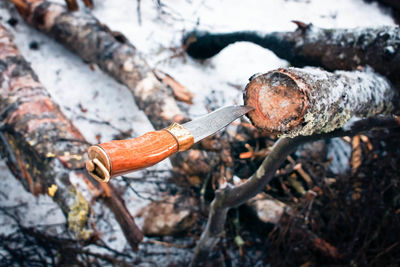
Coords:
pixel 309 45
pixel 138 11
pixel 72 5
pixel 229 197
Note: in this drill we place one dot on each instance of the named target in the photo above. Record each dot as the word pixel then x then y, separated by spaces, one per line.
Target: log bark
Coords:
pixel 95 43
pixel 121 60
pixel 229 197
pixel 45 150
pixel 331 49
pixel 308 101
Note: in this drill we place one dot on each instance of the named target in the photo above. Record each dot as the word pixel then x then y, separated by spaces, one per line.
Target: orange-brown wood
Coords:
pixel 278 99
pixel 138 153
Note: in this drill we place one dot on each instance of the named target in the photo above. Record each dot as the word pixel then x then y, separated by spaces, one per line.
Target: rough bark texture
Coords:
pixel 331 49
pixel 307 101
pixel 111 51
pixel 94 42
pixel 229 197
pixel 44 149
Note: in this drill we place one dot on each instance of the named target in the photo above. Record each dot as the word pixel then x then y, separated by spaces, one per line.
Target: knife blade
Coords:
pixel 118 157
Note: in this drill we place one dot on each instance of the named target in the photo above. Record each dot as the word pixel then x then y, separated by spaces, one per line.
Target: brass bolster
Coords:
pixel 182 135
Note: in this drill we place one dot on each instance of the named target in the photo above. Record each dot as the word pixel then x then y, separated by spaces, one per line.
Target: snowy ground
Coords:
pixel 91 97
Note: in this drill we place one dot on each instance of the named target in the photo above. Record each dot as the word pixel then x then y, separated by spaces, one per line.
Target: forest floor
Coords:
pixel 352 202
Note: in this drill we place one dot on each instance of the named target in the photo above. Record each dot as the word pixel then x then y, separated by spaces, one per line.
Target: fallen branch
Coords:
pixel 31 246
pixel 331 49
pixel 95 43
pixel 270 210
pixel 229 197
pixel 308 101
pixel 111 51
pixel 45 150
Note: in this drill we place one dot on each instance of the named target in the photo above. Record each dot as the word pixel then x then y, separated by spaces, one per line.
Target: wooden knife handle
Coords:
pixel 118 157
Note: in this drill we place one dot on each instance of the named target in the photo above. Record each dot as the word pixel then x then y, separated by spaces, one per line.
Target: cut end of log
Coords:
pixel 279 101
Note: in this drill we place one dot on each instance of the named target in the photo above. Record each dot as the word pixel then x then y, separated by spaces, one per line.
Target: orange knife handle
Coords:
pixel 118 157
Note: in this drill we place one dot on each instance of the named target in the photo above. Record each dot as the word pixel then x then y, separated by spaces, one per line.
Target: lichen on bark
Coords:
pixel 95 43
pixel 323 101
pixel 78 217
pixel 43 148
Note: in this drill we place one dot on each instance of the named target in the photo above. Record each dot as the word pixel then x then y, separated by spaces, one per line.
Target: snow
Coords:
pixel 34 210
pixel 339 152
pixel 101 107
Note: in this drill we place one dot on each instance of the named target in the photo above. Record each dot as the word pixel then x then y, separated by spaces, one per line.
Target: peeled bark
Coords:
pixel 308 101
pixel 331 49
pixel 45 150
pixel 111 51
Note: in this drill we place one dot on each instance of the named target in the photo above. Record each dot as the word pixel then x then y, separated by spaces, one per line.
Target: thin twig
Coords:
pixel 229 197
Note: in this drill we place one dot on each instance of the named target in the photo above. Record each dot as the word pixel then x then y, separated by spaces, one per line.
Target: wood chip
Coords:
pixel 356 156
pixel 181 93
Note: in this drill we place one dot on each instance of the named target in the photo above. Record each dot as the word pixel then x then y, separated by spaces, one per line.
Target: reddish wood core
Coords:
pixel 278 101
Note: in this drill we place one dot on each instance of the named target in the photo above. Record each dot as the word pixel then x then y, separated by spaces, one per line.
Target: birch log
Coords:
pixel 95 43
pixel 331 49
pixel 45 150
pixel 307 101
pixel 111 51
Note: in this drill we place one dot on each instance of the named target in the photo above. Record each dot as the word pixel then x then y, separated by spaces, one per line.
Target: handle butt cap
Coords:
pixel 98 165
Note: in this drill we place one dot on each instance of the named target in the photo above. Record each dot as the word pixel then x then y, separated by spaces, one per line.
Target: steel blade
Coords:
pixel 215 121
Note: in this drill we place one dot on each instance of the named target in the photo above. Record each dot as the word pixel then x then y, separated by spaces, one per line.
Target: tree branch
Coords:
pixel 95 43
pixel 116 56
pixel 229 197
pixel 309 45
pixel 307 101
pixel 45 150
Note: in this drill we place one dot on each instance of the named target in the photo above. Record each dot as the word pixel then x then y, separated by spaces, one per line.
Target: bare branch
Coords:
pixel 44 149
pixel 306 101
pixel 309 45
pixel 111 51
pixel 229 197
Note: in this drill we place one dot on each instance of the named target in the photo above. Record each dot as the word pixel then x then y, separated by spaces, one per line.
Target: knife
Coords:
pixel 117 157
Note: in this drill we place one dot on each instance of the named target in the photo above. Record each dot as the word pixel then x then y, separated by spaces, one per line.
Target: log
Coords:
pixel 229 197
pixel 307 101
pixel 45 150
pixel 332 49
pixel 95 43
